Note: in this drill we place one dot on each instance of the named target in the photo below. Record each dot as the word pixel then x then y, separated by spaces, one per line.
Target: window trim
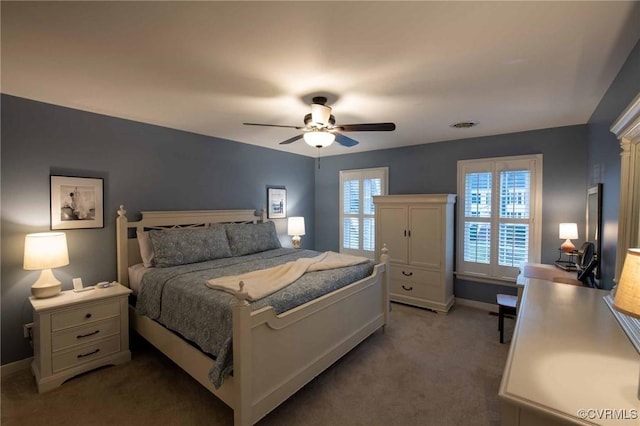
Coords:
pixel 493 271
pixel 381 172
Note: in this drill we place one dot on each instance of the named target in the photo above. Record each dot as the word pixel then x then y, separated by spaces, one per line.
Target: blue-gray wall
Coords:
pixel 432 168
pixel 575 158
pixel 144 167
pixel 604 155
pixel 148 167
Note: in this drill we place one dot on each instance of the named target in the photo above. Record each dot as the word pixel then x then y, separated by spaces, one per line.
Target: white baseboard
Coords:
pixel 489 307
pixel 15 367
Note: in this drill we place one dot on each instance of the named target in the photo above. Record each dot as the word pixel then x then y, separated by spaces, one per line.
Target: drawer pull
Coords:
pixel 407 288
pixel 89 354
pixel 407 274
pixel 82 336
pixel 88 315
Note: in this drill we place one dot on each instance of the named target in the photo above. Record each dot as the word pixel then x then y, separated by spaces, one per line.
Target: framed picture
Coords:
pixel 76 203
pixel 276 202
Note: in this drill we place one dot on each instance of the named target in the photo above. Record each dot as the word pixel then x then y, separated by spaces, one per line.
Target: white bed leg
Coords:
pixel 242 415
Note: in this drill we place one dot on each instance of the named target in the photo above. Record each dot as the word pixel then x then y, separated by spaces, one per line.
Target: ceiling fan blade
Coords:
pixel 369 127
pixel 293 139
pixel 345 140
pixel 273 125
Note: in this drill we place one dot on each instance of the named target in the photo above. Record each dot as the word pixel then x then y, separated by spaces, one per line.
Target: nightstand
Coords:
pixel 77 332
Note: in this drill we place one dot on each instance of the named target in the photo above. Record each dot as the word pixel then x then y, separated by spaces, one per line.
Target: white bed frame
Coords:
pixel 273 355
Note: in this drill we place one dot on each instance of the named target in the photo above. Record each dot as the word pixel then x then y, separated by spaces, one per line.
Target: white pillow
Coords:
pixel 146 248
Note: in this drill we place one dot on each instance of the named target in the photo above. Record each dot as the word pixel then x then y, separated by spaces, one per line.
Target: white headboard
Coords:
pixel 128 251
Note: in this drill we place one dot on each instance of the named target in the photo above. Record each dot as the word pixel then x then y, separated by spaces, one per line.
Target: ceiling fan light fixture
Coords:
pixel 320 114
pixel 319 139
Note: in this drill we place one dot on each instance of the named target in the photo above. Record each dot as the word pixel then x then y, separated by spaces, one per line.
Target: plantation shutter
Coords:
pixel 500 202
pixel 357 210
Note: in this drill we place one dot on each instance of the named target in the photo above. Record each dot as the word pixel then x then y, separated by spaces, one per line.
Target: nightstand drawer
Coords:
pixel 84 314
pixel 85 353
pixel 84 334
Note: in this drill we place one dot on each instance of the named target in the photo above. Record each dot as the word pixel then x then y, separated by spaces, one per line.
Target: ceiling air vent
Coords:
pixel 464 124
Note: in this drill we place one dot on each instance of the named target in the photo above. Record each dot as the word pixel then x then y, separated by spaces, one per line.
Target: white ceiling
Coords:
pixel 207 67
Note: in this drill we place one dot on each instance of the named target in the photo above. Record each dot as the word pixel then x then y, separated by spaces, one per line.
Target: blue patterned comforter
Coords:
pixel 178 298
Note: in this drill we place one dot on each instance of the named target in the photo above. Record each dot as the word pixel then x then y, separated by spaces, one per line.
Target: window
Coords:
pixel 499 216
pixel 357 211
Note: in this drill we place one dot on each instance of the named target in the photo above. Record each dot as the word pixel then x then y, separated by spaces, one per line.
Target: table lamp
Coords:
pixel 627 298
pixel 568 232
pixel 295 228
pixel 44 251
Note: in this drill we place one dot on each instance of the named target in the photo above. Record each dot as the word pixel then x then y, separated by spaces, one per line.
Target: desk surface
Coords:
pixel 569 353
pixel 542 271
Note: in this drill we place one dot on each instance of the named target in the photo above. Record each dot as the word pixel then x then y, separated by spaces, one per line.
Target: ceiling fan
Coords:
pixel 320 130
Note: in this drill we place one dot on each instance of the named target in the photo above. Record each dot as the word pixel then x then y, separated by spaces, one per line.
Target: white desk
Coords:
pixel 540 271
pixel 568 353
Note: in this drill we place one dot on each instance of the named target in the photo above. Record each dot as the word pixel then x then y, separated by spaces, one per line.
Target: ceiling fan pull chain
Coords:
pixel 318 158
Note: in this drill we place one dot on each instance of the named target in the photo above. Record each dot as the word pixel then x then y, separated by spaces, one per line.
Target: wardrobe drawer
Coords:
pixel 407 288
pixel 411 274
pixel 84 314
pixel 86 333
pixel 85 353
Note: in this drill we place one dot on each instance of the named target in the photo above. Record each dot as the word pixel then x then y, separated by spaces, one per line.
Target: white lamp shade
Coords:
pixel 627 297
pixel 295 225
pixel 319 139
pixel 45 250
pixel 568 231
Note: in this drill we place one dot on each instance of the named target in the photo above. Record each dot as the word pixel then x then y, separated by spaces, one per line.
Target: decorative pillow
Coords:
pixel 182 246
pixel 252 238
pixel 146 249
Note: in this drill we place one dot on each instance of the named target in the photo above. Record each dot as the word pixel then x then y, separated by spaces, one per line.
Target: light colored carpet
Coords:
pixel 426 369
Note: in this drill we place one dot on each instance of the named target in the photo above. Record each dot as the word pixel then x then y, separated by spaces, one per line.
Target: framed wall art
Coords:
pixel 276 202
pixel 76 203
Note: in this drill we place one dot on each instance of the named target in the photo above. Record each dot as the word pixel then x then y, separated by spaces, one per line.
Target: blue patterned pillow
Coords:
pixel 182 246
pixel 251 238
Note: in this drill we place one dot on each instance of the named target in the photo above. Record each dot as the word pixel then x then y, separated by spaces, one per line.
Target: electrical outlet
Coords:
pixel 26 330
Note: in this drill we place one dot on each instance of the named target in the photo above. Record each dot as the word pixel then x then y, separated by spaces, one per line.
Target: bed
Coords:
pixel 264 370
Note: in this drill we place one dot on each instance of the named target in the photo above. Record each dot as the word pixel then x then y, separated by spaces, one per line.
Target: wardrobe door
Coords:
pixel 425 239
pixel 391 222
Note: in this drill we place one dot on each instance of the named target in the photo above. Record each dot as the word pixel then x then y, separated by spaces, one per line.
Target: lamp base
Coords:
pixel 46 286
pixel 567 246
pixel 296 241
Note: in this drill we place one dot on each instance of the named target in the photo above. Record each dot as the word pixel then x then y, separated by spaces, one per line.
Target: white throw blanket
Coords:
pixel 263 282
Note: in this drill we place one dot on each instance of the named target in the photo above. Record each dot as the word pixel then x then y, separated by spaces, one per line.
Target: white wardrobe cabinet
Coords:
pixel 418 231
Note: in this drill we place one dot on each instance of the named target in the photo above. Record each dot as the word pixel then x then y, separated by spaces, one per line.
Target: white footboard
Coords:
pixel 279 354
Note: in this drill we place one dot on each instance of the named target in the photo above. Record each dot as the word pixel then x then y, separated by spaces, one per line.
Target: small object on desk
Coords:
pixel 103 284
